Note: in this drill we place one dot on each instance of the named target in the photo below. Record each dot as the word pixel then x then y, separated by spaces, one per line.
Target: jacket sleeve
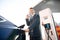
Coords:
pixel 35 22
pixel 28 22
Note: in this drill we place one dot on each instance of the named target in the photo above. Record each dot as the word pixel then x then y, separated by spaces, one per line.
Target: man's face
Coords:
pixel 31 11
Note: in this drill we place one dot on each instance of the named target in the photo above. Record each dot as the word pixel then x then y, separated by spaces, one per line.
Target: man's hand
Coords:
pixel 42 23
pixel 27 17
pixel 26 30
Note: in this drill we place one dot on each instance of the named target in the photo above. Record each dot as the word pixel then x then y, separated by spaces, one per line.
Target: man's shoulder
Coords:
pixel 37 15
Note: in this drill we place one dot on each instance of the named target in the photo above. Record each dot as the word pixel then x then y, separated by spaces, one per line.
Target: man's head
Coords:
pixel 31 10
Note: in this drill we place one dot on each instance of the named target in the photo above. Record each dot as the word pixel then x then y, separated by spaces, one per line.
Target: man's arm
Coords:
pixel 28 22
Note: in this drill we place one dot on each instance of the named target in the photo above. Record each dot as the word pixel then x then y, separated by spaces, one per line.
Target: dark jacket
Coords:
pixel 34 25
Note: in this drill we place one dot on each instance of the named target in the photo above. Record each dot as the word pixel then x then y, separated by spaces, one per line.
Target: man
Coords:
pixel 33 21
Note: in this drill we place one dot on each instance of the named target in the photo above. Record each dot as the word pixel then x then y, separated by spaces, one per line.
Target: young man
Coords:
pixel 33 21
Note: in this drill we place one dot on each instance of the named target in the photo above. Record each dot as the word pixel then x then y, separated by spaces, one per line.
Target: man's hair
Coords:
pixel 31 8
